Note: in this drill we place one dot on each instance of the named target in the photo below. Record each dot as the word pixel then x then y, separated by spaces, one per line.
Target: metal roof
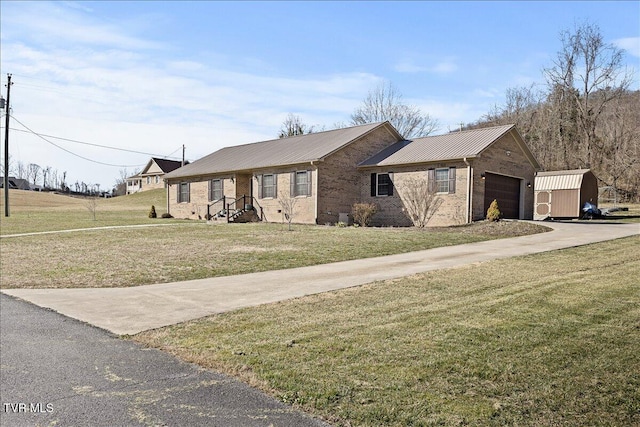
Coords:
pixel 455 145
pixel 277 152
pixel 560 180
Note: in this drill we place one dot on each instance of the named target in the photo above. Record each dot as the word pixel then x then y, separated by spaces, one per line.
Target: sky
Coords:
pixel 152 76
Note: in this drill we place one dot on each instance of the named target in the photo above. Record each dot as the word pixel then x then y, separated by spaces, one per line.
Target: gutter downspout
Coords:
pixel 168 193
pixel 469 213
pixel 315 196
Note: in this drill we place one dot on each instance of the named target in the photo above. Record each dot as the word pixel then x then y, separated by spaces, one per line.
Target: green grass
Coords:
pixel 547 339
pixel 194 250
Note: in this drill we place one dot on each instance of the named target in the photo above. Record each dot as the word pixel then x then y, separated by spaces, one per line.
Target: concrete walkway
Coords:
pixel 136 309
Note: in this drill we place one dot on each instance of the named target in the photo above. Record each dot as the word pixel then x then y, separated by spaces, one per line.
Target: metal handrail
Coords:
pixel 232 205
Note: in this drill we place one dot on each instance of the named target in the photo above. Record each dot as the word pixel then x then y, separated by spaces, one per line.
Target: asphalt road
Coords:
pixel 57 371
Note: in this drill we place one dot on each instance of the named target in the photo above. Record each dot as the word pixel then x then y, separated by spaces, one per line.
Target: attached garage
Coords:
pixel 506 191
pixel 562 194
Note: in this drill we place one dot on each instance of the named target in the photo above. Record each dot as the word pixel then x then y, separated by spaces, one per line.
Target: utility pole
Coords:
pixel 182 155
pixel 6 150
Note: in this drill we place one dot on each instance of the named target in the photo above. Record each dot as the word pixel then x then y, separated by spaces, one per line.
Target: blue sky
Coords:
pixel 153 75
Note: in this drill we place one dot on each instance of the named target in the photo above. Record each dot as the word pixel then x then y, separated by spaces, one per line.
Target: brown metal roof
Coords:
pixel 276 152
pixel 455 145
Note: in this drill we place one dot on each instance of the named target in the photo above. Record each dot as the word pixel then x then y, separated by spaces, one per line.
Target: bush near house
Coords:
pixel 362 213
pixel 493 213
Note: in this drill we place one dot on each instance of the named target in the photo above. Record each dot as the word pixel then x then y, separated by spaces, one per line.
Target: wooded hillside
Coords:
pixel 584 116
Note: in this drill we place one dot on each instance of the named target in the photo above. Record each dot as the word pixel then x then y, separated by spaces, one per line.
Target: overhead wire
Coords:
pixel 69 151
pixel 45 136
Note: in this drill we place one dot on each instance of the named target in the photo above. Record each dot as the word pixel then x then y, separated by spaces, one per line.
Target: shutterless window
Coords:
pixel 268 186
pixel 215 190
pixel 301 183
pixel 183 192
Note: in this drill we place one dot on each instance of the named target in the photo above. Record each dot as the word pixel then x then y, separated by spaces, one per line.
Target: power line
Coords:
pixel 71 152
pixel 45 136
pixel 92 144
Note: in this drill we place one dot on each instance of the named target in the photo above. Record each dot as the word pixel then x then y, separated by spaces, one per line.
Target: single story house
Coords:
pixel 16 183
pixel 562 194
pixel 328 172
pixel 152 175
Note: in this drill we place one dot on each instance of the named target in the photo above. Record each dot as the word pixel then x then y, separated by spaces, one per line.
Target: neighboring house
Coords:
pixel 16 183
pixel 328 172
pixel 152 175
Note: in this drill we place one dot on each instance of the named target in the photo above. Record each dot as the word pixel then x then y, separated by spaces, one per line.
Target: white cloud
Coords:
pixel 443 66
pixel 106 87
pixel 630 44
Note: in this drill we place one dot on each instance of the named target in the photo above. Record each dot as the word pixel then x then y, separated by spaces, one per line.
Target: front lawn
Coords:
pixel 194 250
pixel 546 339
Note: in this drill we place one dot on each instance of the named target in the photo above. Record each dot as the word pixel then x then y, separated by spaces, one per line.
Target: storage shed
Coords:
pixel 562 194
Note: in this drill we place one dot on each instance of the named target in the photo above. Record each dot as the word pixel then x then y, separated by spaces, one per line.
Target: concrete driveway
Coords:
pixel 136 309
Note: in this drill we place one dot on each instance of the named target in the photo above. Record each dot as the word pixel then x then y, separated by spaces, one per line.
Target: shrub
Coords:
pixel 362 213
pixel 152 212
pixel 167 215
pixel 493 213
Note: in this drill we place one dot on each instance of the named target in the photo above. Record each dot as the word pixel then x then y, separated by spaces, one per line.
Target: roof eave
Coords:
pixel 235 171
pixel 426 162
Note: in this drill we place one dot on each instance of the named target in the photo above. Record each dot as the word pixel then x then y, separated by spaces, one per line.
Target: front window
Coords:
pixel 301 183
pixel 269 186
pixel 384 185
pixel 442 180
pixel 183 192
pixel 215 190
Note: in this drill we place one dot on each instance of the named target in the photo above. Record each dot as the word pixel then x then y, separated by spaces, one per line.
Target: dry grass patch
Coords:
pixel 547 339
pixel 193 250
pixel 32 211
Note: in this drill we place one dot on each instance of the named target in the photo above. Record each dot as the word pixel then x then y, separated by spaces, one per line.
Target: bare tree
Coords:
pixel 590 74
pixel 91 204
pixel 10 170
pixel 21 170
pixel 45 175
pixel 288 204
pixel 385 103
pixel 293 126
pixel 33 173
pixel 420 201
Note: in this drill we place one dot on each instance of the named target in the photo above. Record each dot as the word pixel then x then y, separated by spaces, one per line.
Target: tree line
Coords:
pixel 48 178
pixel 584 115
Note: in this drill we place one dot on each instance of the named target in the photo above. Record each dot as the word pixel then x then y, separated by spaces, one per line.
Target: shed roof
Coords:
pixel 454 145
pixel 277 152
pixel 560 180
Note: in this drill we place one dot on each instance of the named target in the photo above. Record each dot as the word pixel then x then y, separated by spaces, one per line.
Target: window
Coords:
pixel 157 179
pixel 381 184
pixel 183 192
pixel 148 180
pixel 215 190
pixel 267 186
pixel 443 180
pixel 300 183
